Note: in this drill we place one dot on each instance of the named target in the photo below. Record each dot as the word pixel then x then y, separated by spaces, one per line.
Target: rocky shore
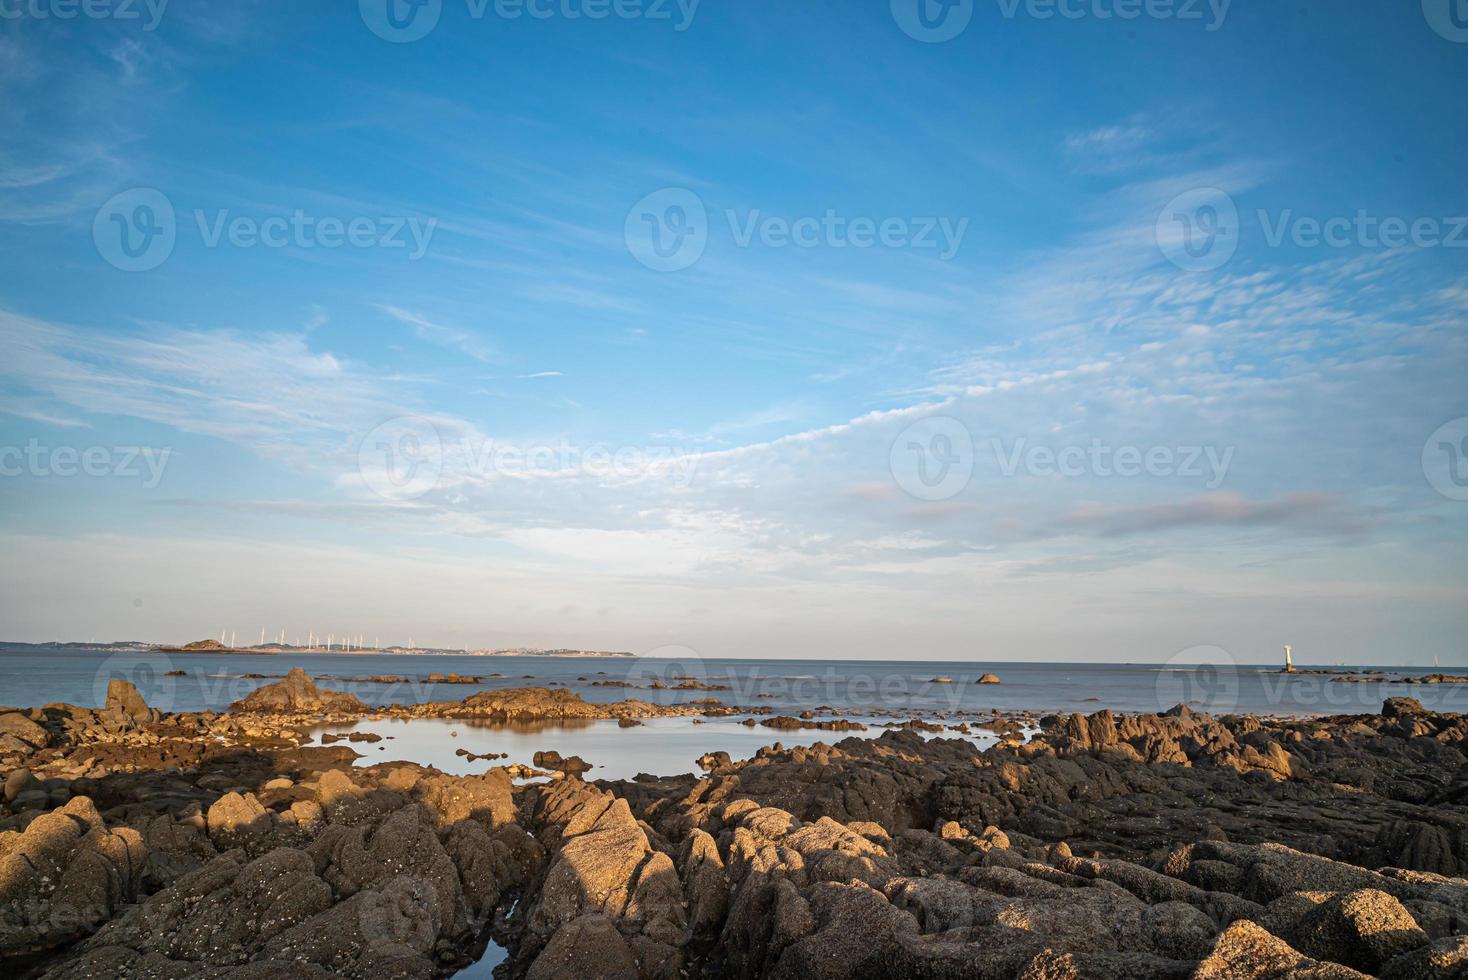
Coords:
pixel 138 844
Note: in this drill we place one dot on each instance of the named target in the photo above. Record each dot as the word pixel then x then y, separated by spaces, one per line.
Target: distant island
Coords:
pixel 216 647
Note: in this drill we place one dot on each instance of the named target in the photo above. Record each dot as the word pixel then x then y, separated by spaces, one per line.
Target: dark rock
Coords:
pixel 1402 708
pixel 571 766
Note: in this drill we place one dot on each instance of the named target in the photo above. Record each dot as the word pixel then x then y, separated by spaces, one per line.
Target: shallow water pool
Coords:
pixel 659 746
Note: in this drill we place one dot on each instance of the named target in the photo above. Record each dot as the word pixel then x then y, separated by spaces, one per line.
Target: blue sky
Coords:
pixel 915 299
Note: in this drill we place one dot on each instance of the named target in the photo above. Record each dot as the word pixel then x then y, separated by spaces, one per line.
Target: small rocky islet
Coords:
pixel 135 843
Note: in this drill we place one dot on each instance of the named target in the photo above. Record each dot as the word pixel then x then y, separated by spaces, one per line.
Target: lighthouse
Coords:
pixel 1289 667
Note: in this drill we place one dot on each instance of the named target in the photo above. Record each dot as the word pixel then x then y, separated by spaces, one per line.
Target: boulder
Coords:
pixel 20 733
pixel 1246 951
pixel 124 701
pixel 572 766
pixel 238 821
pixel 20 781
pixel 64 876
pixel 1445 959
pixel 1402 708
pixel 1362 929
pixel 586 948
pixel 298 693
pixel 705 883
pixel 607 865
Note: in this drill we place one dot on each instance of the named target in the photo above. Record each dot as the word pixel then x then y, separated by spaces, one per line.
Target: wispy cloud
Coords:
pixel 1310 513
pixel 454 338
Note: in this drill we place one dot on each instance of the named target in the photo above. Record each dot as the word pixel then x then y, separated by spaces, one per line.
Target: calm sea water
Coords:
pixel 869 691
pixel 32 676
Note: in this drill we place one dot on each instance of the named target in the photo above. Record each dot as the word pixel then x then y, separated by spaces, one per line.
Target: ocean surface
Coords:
pixel 31 676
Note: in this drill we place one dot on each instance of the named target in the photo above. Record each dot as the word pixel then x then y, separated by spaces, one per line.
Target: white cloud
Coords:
pixel 454 338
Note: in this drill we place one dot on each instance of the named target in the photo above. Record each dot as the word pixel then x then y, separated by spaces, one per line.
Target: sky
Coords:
pixel 988 330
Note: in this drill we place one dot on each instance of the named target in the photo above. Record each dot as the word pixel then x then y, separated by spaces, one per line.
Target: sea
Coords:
pixel 874 692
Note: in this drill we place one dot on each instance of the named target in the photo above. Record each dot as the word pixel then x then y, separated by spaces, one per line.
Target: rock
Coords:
pixel 63 877
pixel 606 865
pixel 520 771
pixel 1245 951
pixel 855 927
pixel 1420 845
pixel 1179 930
pixel 714 761
pixel 705 883
pixel 358 858
pixel 540 703
pixel 1445 959
pixel 175 848
pixel 31 799
pixel 988 679
pixel 1402 708
pixel 1362 929
pixel 27 733
pixel 586 948
pixel 276 914
pixel 123 699
pixel 1106 846
pixel 20 781
pixel 786 723
pixel 238 821
pixel 571 766
pixel 298 693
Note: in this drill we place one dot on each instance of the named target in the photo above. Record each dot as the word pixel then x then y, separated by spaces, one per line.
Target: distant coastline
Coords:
pixel 1378 672
pixel 268 649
